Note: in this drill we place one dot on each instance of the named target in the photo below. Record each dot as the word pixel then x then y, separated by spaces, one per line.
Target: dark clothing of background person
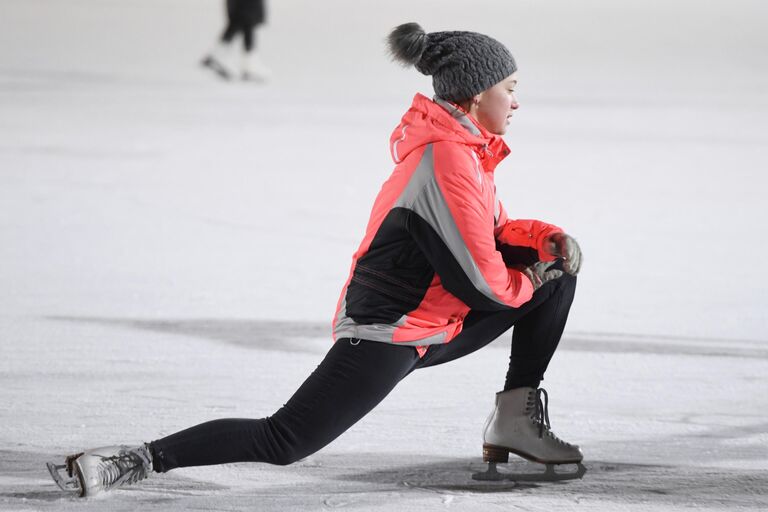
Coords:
pixel 243 16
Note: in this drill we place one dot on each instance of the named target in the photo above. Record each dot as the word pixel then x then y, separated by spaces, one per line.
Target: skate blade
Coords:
pixel 549 474
pixel 217 68
pixel 254 78
pixel 64 478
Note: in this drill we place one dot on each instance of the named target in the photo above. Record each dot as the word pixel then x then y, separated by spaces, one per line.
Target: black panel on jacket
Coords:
pixel 514 255
pixel 447 267
pixel 393 276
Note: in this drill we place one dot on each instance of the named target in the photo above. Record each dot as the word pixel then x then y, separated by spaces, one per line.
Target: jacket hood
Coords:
pixel 428 121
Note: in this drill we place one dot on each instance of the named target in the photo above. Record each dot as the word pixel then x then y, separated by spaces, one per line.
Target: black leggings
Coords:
pixel 248 33
pixel 357 374
pixel 244 16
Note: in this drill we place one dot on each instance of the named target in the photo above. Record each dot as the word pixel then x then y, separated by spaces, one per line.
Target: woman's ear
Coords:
pixel 474 103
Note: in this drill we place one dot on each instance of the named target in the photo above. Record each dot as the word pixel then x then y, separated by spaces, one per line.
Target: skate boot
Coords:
pixel 519 424
pixel 253 69
pixel 102 469
pixel 216 66
pixel 215 61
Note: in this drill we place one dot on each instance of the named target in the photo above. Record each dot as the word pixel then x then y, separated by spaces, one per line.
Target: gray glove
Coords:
pixel 539 273
pixel 564 246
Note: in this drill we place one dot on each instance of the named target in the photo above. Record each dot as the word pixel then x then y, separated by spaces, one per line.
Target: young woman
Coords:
pixel 441 272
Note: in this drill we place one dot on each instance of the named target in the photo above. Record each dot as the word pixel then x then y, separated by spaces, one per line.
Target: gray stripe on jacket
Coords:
pixel 423 196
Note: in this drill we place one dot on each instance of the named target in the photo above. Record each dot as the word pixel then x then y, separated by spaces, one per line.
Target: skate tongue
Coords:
pixel 542 410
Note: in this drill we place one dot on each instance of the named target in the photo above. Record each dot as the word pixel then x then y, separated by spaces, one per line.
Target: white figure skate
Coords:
pixel 102 469
pixel 519 424
pixel 253 69
pixel 217 60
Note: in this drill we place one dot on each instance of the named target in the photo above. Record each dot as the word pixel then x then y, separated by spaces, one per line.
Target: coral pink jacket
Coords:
pixel 433 246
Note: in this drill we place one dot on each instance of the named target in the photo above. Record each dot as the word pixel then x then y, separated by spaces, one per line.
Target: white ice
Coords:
pixel 172 247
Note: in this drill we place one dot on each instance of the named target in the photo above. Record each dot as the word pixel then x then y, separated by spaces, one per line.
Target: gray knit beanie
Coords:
pixel 462 64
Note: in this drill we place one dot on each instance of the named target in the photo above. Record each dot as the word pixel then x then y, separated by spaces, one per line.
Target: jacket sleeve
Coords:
pixel 523 232
pixel 454 228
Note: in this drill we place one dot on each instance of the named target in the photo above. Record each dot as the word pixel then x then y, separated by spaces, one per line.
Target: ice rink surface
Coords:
pixel 172 247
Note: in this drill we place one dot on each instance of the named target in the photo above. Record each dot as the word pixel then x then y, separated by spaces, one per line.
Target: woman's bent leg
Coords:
pixel 537 335
pixel 539 324
pixel 348 383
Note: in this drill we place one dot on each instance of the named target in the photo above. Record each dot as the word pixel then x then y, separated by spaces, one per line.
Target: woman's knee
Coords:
pixel 285 459
pixel 286 455
pixel 289 444
pixel 568 281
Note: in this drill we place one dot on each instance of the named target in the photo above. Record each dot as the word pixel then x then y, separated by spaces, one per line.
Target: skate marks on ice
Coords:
pixel 365 481
pixel 715 439
pixel 19 80
pixel 275 335
pixel 615 482
pixel 21 478
pixel 313 337
pixel 666 345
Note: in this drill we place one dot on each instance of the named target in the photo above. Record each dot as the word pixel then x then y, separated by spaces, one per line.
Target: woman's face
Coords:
pixel 493 107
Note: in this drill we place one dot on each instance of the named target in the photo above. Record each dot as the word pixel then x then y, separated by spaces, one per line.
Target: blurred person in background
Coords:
pixel 243 17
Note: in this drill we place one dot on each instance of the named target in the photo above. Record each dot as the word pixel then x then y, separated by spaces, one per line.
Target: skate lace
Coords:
pixel 127 467
pixel 540 414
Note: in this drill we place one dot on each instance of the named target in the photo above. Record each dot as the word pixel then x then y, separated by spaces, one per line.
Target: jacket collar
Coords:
pixel 429 121
pixel 493 149
pixel 460 115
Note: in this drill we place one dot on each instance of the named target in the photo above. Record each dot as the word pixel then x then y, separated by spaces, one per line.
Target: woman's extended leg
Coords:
pixel 348 383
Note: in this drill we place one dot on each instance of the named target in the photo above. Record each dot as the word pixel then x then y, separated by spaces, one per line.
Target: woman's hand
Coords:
pixel 539 273
pixel 565 247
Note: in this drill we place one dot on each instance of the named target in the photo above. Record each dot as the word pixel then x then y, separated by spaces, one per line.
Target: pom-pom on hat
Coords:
pixel 462 64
